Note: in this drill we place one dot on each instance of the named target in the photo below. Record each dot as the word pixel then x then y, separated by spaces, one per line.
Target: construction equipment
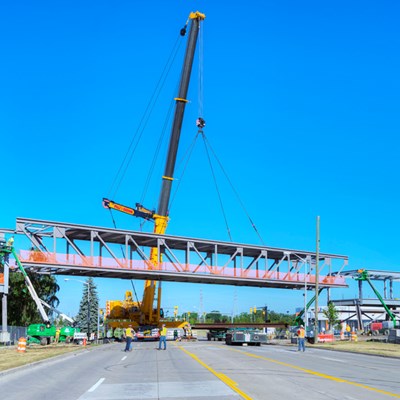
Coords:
pixel 216 334
pixel 248 336
pixel 122 313
pixel 44 333
pixel 146 314
pixel 364 276
pixel 5 252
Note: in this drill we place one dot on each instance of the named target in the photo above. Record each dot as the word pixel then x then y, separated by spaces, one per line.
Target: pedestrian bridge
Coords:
pixel 79 250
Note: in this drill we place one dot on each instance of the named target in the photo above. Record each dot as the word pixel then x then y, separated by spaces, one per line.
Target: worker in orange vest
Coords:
pixel 301 334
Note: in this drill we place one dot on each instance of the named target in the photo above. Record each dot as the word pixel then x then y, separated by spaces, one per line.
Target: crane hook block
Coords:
pixel 200 123
pixel 183 31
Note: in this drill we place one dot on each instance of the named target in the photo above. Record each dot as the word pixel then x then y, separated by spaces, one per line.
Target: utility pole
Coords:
pixel 4 281
pixel 316 328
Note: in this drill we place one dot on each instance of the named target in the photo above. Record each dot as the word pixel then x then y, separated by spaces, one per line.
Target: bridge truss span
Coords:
pixel 70 249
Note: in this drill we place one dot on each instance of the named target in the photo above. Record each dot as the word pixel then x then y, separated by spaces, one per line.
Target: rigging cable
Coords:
pixel 184 160
pixel 156 153
pixel 137 298
pixel 207 143
pixel 123 252
pixel 216 187
pixel 115 226
pixel 143 122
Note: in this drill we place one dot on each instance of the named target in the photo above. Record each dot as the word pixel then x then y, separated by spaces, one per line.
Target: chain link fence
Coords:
pixel 15 333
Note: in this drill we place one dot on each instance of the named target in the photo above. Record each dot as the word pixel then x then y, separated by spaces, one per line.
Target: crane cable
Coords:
pixel 185 162
pixel 138 134
pixel 233 189
pixel 137 298
pixel 156 153
pixel 201 72
pixel 216 187
pixel 123 252
pixel 200 121
pixel 143 122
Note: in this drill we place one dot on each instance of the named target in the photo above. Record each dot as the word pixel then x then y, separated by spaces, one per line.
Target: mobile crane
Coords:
pixel 146 315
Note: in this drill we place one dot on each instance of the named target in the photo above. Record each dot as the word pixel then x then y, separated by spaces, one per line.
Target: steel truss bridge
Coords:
pixel 68 249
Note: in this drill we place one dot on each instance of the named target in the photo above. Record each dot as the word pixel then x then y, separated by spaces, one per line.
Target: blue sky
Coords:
pixel 302 108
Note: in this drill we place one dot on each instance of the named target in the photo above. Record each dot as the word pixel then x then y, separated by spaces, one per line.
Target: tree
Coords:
pixel 216 316
pixel 332 314
pixel 89 307
pixel 21 308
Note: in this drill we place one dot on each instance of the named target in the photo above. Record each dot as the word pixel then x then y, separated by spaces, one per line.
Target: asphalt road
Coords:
pixel 206 370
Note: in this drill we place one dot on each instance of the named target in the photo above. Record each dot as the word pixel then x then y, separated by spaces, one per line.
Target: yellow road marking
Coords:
pixel 222 377
pixel 315 373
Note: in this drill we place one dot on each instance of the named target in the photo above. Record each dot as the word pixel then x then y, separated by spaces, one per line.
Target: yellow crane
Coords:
pixel 144 313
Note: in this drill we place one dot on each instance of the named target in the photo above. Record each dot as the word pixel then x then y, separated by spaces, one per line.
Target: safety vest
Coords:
pixel 301 333
pixel 129 332
pixel 163 331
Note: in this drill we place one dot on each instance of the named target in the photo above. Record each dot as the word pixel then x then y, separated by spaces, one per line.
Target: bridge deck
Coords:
pixel 70 249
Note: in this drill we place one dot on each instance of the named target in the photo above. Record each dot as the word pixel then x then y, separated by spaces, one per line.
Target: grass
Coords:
pixel 367 347
pixel 10 358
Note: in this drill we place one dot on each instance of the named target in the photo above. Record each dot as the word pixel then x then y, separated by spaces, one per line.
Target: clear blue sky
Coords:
pixel 302 108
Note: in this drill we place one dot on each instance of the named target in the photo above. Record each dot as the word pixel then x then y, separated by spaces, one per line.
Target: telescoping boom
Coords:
pixel 160 217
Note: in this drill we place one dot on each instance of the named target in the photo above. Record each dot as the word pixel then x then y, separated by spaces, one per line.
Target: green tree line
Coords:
pixel 21 308
pixel 258 317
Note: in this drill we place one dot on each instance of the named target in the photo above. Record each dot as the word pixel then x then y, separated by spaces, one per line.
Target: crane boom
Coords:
pixel 179 112
pixel 160 218
pixel 6 250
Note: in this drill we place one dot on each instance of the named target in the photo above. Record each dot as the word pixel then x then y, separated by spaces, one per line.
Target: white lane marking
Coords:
pixel 96 385
pixel 333 359
pixel 124 358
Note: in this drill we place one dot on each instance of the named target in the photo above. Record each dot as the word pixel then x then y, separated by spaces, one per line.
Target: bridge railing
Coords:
pixel 76 260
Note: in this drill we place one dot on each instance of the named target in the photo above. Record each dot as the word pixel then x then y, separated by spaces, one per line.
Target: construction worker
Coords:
pixel 348 330
pixel 10 241
pixel 301 334
pixel 57 335
pixel 163 337
pixel 129 332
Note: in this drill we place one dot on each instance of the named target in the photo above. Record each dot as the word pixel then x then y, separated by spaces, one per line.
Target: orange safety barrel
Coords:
pixel 354 337
pixel 21 345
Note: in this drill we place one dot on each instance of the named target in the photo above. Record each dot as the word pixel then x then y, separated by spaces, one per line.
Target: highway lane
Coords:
pixel 276 372
pixel 206 370
pixel 109 373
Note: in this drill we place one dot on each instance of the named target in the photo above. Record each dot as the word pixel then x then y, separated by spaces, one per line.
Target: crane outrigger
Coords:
pixel 147 315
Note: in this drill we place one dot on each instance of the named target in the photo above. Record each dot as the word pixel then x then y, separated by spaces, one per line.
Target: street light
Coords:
pixel 88 301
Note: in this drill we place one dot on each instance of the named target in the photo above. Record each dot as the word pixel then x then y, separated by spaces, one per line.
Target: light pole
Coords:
pixel 88 301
